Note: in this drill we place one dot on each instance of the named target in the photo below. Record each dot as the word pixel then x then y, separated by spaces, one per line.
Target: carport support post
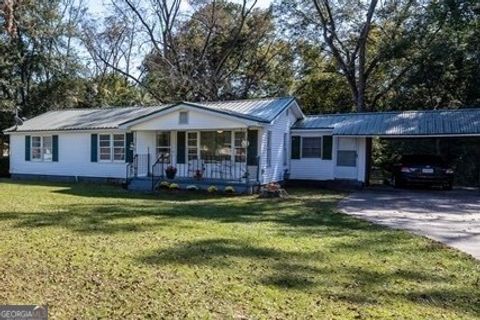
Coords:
pixel 368 160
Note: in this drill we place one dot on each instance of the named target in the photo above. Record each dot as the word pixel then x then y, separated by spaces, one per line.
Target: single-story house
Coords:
pixel 243 143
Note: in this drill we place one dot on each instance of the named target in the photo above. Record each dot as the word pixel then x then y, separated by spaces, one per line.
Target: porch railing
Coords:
pixel 206 169
pixel 131 169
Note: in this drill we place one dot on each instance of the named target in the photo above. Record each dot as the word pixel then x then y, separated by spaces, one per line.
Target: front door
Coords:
pixel 347 159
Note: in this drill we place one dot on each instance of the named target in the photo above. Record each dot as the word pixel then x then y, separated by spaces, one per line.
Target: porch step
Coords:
pixel 140 184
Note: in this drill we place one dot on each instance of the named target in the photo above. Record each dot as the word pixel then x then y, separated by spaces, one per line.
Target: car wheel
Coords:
pixel 397 183
pixel 448 186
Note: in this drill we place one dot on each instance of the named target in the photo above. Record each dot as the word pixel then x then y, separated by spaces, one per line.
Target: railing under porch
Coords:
pixel 208 169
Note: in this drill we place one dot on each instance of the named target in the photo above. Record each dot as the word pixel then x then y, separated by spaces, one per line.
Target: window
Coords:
pixel 47 148
pixel 119 147
pixel 285 155
pixel 36 148
pixel 163 146
pixel 240 151
pixel 105 147
pixel 269 149
pixel 216 145
pixel 183 117
pixel 311 147
pixel 41 148
pixel 192 145
pixel 346 158
pixel 111 147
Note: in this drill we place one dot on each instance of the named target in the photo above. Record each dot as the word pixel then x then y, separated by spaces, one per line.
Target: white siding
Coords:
pixel 280 125
pixel 362 158
pixel 313 168
pixel 197 120
pixel 358 145
pixel 73 158
pixel 319 169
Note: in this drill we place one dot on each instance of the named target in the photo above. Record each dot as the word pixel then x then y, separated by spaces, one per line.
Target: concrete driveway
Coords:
pixel 451 217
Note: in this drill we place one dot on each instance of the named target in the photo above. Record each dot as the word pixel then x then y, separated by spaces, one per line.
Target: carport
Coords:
pixel 462 125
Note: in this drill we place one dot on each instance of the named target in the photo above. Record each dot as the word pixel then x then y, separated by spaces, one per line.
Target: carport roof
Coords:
pixel 407 123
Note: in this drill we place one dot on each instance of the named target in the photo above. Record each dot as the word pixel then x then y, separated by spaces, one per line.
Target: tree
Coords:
pixel 36 49
pixel 222 50
pixel 364 38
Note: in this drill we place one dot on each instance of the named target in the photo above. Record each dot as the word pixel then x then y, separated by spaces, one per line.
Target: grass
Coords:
pixel 99 252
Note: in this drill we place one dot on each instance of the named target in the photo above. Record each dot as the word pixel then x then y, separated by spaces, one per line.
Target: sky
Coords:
pixel 97 7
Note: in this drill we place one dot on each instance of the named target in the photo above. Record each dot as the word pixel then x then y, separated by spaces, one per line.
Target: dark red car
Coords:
pixel 426 170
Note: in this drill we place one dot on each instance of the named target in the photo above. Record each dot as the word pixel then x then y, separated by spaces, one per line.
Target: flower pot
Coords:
pixel 170 174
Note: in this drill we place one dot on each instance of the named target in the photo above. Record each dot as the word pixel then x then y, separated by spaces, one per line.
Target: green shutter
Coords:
pixel 55 148
pixel 295 147
pixel 27 148
pixel 252 150
pixel 327 147
pixel 128 150
pixel 93 147
pixel 181 147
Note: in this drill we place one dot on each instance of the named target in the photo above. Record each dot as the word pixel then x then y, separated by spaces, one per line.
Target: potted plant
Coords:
pixel 198 174
pixel 171 171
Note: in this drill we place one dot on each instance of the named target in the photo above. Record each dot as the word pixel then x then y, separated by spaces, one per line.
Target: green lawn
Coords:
pixel 99 252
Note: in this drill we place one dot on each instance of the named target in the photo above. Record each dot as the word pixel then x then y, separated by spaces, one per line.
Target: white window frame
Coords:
pixel 233 147
pixel 162 147
pixel 185 119
pixel 321 147
pixel 269 148
pixel 240 147
pixel 111 147
pixel 188 147
pixel 42 149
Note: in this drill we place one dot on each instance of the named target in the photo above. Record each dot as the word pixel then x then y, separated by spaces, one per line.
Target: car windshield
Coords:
pixel 422 159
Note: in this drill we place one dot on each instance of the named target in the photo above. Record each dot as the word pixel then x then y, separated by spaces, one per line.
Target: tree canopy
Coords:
pixel 333 55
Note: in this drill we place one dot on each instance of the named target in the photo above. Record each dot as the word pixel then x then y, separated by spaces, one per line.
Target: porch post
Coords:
pixel 148 161
pixel 368 160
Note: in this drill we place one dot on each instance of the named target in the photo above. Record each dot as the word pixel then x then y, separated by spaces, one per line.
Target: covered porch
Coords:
pixel 202 157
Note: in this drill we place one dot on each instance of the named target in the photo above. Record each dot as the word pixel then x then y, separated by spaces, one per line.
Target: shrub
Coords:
pixel 164 184
pixel 229 189
pixel 174 186
pixel 212 189
pixel 192 187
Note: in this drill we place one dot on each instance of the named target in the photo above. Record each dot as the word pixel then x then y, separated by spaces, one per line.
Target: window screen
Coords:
pixel 311 147
pixel 183 117
pixel 163 146
pixel 47 148
pixel 346 158
pixel 119 147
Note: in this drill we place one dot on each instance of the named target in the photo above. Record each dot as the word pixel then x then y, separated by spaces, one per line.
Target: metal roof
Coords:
pixel 83 119
pixel 408 123
pixel 265 109
pixel 261 110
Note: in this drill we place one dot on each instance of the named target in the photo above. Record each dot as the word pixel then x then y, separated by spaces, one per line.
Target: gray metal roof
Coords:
pixel 407 123
pixel 83 119
pixel 261 110
pixel 266 109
